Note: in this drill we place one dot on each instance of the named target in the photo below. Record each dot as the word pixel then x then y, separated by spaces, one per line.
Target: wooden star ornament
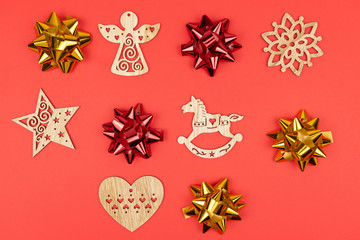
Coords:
pixel 48 124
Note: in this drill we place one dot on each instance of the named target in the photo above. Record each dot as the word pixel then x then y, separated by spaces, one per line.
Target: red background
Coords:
pixel 55 195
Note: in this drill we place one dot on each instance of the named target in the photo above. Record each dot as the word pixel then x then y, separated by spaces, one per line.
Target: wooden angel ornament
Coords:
pixel 204 122
pixel 129 60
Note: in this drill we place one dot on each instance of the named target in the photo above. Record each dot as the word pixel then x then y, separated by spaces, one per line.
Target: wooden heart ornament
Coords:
pixel 131 205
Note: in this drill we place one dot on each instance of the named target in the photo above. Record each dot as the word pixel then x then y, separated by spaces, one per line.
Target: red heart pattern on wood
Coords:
pixel 146 192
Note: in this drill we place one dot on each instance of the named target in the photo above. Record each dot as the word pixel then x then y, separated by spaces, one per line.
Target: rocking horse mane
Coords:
pixel 201 106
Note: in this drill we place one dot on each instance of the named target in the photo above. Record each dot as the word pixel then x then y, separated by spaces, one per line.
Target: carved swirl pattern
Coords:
pixel 130 57
pixel 39 122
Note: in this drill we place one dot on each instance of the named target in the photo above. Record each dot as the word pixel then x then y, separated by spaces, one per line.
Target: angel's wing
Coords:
pixel 146 32
pixel 112 33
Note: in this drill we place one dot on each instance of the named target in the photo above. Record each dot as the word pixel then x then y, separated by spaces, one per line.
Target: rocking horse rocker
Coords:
pixel 204 122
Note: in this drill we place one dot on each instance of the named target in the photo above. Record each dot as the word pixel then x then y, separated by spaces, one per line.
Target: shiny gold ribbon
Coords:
pixel 59 43
pixel 300 140
pixel 213 206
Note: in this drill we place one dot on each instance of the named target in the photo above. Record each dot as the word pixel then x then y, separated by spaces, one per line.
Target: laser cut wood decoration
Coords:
pixel 131 205
pixel 48 124
pixel 292 44
pixel 204 122
pixel 129 60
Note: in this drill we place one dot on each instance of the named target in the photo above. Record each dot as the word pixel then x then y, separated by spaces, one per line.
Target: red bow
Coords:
pixel 209 43
pixel 131 133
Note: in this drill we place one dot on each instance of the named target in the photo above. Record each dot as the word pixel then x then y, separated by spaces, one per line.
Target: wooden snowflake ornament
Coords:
pixel 129 60
pixel 292 44
pixel 204 122
pixel 48 124
pixel 131 205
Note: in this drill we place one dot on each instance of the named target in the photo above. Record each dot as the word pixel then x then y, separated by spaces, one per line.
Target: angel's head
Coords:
pixel 129 20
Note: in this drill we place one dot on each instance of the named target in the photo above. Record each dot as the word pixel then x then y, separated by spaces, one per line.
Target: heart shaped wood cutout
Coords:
pixel 131 205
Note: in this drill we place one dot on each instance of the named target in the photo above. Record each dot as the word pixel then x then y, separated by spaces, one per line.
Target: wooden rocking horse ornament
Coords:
pixel 204 122
pixel 129 60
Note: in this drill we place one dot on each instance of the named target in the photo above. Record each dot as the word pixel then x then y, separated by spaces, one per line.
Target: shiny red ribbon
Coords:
pixel 210 42
pixel 131 133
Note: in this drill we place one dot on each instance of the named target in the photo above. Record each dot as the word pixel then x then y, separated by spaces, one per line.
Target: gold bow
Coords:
pixel 59 43
pixel 213 206
pixel 300 140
